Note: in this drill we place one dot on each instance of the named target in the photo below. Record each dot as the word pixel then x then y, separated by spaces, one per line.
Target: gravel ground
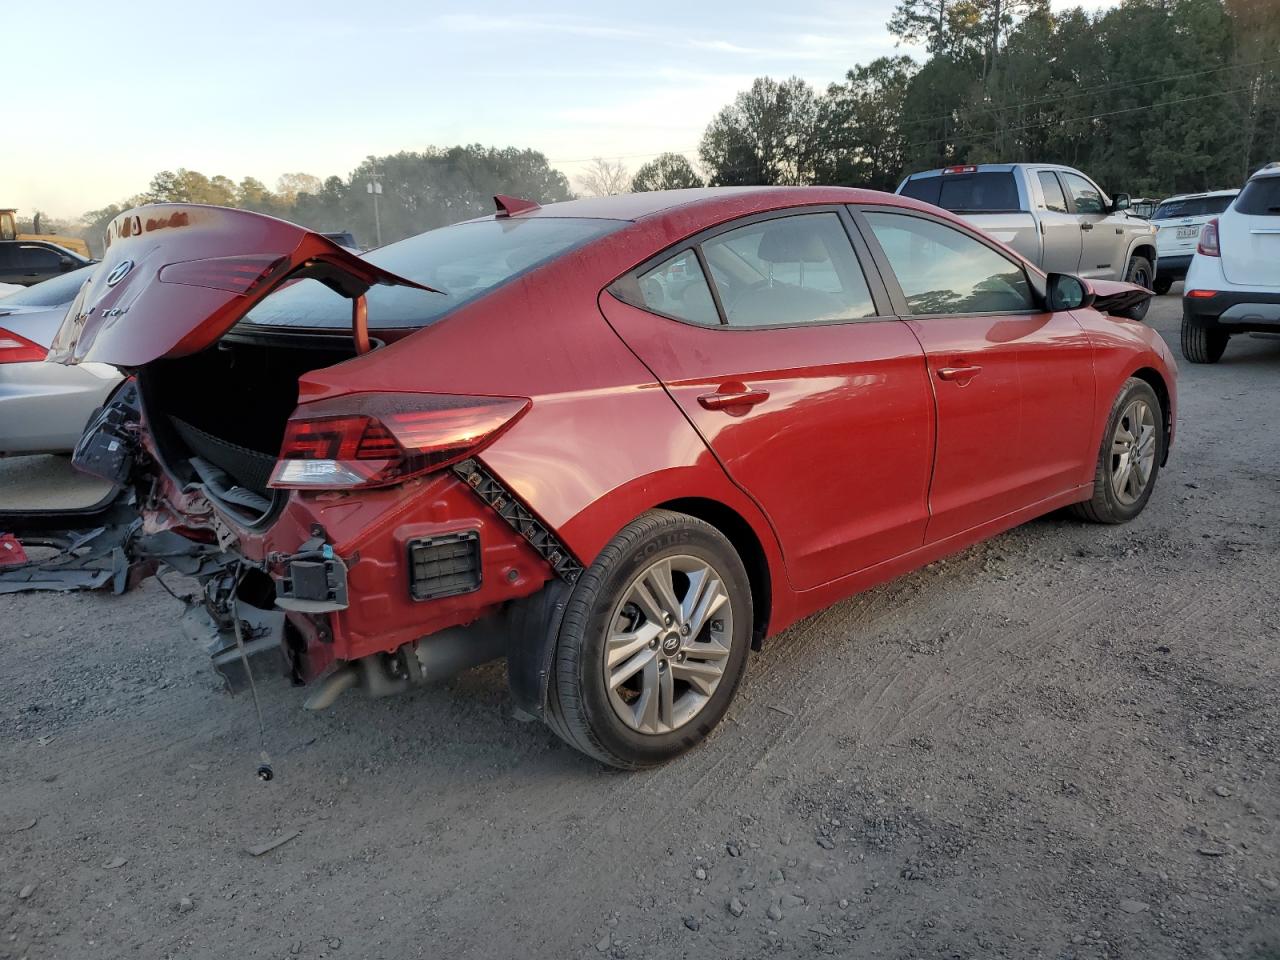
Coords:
pixel 1062 743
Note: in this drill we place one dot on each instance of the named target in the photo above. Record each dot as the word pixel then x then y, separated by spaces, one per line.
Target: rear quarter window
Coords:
pixel 1260 198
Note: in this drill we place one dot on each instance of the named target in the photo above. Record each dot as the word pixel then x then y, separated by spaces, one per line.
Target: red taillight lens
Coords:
pixel 377 439
pixel 1201 294
pixel 16 349
pixel 1209 245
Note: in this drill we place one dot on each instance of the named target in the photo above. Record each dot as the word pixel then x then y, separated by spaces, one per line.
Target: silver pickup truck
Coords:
pixel 1054 216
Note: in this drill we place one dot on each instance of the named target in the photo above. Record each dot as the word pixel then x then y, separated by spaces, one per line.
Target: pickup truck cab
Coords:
pixel 1055 216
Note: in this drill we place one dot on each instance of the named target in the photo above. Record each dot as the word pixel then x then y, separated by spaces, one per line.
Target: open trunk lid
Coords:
pixel 176 277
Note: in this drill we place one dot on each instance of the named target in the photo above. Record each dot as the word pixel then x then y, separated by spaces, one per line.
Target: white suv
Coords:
pixel 1178 221
pixel 1233 283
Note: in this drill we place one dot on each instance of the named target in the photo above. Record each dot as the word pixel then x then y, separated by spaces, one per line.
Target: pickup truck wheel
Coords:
pixel 1129 460
pixel 1162 285
pixel 1200 344
pixel 1139 272
pixel 653 643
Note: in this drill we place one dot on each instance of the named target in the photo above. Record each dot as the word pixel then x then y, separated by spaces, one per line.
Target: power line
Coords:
pixel 1167 78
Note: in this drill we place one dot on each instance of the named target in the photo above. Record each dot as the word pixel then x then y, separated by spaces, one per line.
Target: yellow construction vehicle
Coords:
pixel 9 231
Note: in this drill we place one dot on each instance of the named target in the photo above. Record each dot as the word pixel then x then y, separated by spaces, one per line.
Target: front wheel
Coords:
pixel 1129 460
pixel 1201 344
pixel 653 643
pixel 1139 272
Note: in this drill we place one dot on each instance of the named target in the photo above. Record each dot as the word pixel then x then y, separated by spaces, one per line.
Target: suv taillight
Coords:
pixel 378 439
pixel 1209 245
pixel 16 349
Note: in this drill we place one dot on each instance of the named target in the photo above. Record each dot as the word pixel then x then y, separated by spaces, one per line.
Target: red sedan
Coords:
pixel 620 442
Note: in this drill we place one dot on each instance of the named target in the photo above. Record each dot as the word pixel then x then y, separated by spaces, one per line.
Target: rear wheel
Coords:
pixel 1129 460
pixel 1201 344
pixel 653 643
pixel 1162 285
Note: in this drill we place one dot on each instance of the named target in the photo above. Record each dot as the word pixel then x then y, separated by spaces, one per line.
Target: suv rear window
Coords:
pixel 1260 198
pixel 967 192
pixel 464 261
pixel 1192 207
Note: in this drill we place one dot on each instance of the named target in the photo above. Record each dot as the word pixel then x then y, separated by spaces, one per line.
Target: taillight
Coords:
pixel 1201 294
pixel 1209 244
pixel 16 349
pixel 377 439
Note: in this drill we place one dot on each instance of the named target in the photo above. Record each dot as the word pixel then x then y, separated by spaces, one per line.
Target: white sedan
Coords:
pixel 44 406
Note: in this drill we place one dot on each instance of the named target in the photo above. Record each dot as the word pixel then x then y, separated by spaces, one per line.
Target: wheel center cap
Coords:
pixel 671 643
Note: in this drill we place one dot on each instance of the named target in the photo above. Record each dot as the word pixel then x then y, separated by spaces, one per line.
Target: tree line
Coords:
pixel 1151 97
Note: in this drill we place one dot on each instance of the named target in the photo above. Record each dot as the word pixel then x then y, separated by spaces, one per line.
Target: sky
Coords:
pixel 265 88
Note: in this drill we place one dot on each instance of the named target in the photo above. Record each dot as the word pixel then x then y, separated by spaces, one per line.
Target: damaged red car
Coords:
pixel 619 442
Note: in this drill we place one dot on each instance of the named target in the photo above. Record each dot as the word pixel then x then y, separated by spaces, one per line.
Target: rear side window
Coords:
pixel 942 270
pixel 50 293
pixel 1054 198
pixel 464 261
pixel 788 270
pixel 1087 197
pixel 676 288
pixel 1260 198
pixel 1192 207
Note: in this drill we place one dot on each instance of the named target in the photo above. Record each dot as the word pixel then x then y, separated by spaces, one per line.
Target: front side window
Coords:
pixel 675 288
pixel 788 270
pixel 942 270
pixel 39 258
pixel 1087 197
pixel 1054 198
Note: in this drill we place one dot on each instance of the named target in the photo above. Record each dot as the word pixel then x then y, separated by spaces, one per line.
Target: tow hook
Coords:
pixel 313 580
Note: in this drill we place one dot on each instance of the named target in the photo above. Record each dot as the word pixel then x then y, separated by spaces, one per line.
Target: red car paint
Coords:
pixel 877 449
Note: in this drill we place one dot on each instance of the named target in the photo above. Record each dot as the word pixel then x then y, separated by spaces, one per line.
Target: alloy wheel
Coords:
pixel 1133 452
pixel 669 639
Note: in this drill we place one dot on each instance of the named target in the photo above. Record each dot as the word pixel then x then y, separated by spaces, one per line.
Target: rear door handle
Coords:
pixel 962 374
pixel 722 400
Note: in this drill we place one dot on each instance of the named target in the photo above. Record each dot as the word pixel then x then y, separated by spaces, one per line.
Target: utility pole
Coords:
pixel 374 187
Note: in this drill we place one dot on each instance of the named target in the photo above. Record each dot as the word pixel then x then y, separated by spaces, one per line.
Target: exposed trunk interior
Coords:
pixel 218 416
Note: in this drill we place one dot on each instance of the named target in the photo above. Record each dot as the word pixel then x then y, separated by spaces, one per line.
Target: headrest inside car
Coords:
pixel 785 242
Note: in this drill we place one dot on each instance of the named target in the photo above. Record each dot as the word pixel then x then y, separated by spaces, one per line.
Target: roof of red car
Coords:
pixel 636 206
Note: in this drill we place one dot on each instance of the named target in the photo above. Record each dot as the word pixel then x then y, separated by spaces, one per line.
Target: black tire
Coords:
pixel 1141 273
pixel 1105 506
pixel 579 709
pixel 1162 285
pixel 1201 344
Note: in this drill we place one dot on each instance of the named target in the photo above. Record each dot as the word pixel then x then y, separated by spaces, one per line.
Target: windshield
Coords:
pixel 50 293
pixel 463 261
pixel 1192 207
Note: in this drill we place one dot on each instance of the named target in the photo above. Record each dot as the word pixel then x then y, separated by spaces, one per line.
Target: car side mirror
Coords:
pixel 1067 292
pixel 1121 201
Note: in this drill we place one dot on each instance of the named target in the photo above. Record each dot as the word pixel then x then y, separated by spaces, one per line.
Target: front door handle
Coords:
pixel 1086 226
pixel 960 374
pixel 721 400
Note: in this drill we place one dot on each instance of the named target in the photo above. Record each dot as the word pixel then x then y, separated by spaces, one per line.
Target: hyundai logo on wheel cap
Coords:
pixel 119 273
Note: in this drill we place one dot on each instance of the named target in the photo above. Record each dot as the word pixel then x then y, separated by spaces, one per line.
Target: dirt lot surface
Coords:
pixel 1062 743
